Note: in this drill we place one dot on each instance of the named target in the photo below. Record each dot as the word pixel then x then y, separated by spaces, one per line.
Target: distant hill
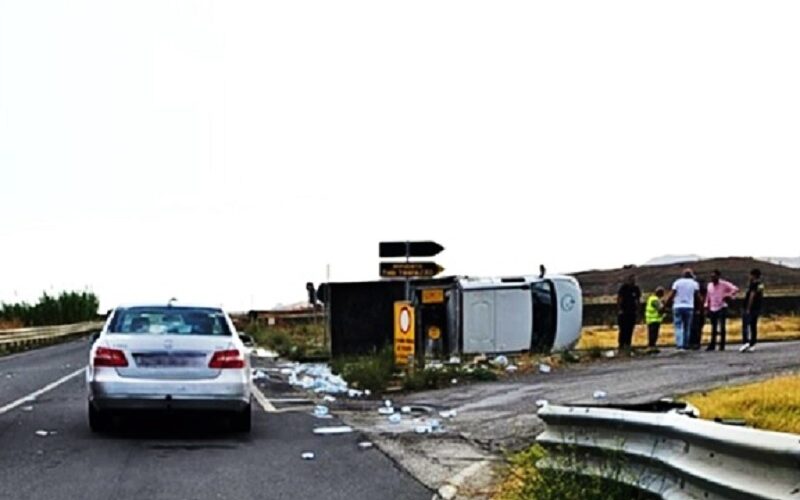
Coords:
pixel 735 269
pixel 672 259
pixel 784 261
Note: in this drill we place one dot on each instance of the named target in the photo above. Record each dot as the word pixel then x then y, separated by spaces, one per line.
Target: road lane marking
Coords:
pixel 262 400
pixel 32 396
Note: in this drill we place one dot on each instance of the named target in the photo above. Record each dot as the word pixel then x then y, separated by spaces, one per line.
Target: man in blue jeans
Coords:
pixel 682 295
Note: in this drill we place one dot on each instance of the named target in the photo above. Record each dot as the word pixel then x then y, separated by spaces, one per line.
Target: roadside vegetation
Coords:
pixel 525 480
pixel 770 405
pixel 769 328
pixel 293 341
pixel 65 308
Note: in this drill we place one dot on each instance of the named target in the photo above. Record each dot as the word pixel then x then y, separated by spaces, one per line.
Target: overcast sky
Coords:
pixel 228 151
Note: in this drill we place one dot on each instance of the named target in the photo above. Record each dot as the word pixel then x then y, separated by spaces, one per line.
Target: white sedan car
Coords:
pixel 165 357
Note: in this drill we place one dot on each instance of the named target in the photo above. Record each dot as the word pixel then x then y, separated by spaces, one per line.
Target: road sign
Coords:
pixel 433 296
pixel 403 332
pixel 434 332
pixel 409 248
pixel 410 269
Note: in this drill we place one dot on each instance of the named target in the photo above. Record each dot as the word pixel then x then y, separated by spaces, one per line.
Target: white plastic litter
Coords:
pixel 367 392
pixel 321 411
pixel 387 403
pixel 308 456
pixel 365 445
pixel 42 433
pixel 329 399
pixel 265 353
pixel 454 381
pixel 27 408
pixel 405 409
pixel 600 395
pixel 422 429
pixel 500 361
pixel 511 368
pixel 448 414
pixel 259 375
pixel 435 424
pixel 318 378
pixel 383 410
pixel 395 418
pixel 545 368
pixel 609 354
pixel 454 360
pixel 343 429
pixel 540 403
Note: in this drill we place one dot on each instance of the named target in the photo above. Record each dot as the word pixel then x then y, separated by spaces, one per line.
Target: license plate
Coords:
pixel 169 360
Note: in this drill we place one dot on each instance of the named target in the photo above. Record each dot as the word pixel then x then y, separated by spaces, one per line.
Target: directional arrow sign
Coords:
pixel 415 248
pixel 410 269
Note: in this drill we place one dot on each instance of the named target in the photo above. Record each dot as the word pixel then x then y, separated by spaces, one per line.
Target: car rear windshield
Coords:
pixel 169 320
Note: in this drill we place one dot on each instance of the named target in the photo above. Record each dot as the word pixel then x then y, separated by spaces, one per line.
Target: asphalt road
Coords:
pixel 170 458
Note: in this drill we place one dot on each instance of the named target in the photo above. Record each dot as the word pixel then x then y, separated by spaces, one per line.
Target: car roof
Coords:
pixel 174 304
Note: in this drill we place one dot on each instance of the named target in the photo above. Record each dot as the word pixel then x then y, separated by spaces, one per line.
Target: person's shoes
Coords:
pixel 744 348
pixel 722 348
pixel 711 347
pixel 751 348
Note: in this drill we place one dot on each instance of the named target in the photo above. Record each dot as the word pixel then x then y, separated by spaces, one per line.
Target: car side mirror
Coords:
pixel 246 339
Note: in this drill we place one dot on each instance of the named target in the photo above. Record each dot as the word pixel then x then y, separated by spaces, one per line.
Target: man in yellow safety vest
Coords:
pixel 654 315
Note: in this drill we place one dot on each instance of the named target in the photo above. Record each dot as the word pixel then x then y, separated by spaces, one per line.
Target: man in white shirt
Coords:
pixel 683 293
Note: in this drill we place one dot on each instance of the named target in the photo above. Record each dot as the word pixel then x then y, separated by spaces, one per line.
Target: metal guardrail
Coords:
pixel 672 455
pixel 46 334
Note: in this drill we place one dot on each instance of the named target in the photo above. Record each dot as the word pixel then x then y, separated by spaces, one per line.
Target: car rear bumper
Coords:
pixel 225 393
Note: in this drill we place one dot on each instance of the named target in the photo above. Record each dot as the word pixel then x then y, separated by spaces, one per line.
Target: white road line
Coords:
pixel 32 396
pixel 262 400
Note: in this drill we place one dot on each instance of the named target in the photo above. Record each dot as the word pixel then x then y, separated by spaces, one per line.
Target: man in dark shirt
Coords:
pixel 628 298
pixel 752 310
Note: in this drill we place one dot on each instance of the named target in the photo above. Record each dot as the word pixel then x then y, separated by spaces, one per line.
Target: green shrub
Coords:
pixel 372 372
pixel 66 308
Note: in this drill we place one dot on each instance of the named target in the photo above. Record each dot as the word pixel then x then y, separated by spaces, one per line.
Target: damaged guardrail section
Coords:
pixel 20 337
pixel 670 454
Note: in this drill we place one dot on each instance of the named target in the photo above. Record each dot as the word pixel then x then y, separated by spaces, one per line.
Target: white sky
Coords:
pixel 227 151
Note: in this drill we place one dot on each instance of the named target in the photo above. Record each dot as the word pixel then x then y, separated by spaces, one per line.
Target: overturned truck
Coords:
pixel 468 315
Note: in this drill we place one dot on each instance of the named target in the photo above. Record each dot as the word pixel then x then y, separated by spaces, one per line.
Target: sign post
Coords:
pixel 403 332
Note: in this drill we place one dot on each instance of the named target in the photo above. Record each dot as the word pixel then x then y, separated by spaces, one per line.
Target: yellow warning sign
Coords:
pixel 403 332
pixel 433 296
pixel 434 332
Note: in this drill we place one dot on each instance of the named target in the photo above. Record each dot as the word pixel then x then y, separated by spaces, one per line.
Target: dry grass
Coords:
pixel 769 328
pixel 772 405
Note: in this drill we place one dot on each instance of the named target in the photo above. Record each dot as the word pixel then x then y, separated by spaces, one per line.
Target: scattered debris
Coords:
pixel 545 368
pixel 387 403
pixel 454 381
pixel 609 354
pixel 367 392
pixel 383 410
pixel 500 361
pixel 342 429
pixel 448 414
pixel 27 408
pixel 42 433
pixel 480 358
pixel 318 378
pixel 511 368
pixel 395 418
pixel 264 353
pixel 541 403
pixel 365 445
pixel 259 374
pixel 422 429
pixel 405 409
pixel 454 360
pixel 600 395
pixel 308 455
pixel 321 411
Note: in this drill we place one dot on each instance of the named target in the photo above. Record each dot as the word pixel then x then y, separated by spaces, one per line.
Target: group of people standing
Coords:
pixel 692 301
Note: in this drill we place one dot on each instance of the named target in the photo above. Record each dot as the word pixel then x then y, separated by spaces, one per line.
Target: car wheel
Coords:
pixel 99 421
pixel 242 421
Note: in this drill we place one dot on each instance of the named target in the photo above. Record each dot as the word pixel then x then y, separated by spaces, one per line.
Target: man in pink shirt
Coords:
pixel 720 292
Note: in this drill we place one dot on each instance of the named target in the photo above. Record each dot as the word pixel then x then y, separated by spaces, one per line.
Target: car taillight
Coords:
pixel 104 356
pixel 226 359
